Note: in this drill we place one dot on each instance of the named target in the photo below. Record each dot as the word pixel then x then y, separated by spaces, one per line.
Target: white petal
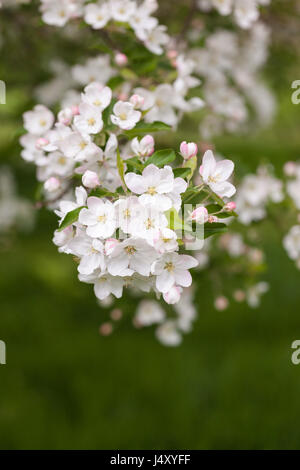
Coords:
pixel 183 277
pixel 224 169
pixel 208 165
pixel 136 183
pixel 165 281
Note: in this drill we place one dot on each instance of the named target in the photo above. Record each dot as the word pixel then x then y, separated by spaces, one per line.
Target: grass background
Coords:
pixel 230 385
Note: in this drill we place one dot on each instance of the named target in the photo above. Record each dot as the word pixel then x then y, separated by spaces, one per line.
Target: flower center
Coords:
pixel 62 160
pixel 126 213
pixel 149 223
pixel 43 122
pixel 152 190
pixel 212 179
pixel 102 218
pixel 91 121
pixel 97 103
pixel 82 145
pixel 169 267
pixel 123 116
pixel 130 250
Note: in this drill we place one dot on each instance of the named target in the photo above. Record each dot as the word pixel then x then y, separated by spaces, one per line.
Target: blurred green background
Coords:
pixel 231 383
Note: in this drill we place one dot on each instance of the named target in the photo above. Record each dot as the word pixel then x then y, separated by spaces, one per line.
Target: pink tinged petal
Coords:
pixel 86 217
pixel 135 183
pixel 224 169
pixel 186 262
pixel 183 277
pixel 165 281
pixel 208 165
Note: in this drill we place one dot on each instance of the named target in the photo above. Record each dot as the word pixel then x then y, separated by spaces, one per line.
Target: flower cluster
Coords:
pixel 98 15
pixel 245 12
pixel 255 192
pixel 122 222
pixel 229 65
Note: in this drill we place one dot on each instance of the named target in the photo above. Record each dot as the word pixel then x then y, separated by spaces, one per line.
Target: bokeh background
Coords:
pixel 231 384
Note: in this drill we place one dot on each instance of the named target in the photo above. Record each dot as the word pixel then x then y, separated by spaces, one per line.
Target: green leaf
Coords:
pixel 102 192
pixel 193 196
pixel 147 128
pixel 214 228
pixel 225 215
pixel 213 208
pixel 107 113
pixel 120 166
pixel 114 82
pixel 181 172
pixel 161 157
pixel 128 74
pixel 192 165
pixel 134 163
pixel 70 218
pixel 175 222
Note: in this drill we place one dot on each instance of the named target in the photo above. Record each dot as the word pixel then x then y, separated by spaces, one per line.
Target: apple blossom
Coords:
pixel 137 101
pixel 89 121
pixel 125 116
pixel 97 14
pixel 215 174
pixel 173 295
pixel 172 269
pixel 200 215
pixel 143 147
pixel 99 218
pixel 39 120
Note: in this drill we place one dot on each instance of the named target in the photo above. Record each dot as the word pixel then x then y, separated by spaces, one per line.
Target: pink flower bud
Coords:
pixel 75 110
pixel 52 184
pixel 147 145
pixel 200 215
pixel 137 101
pixel 188 150
pixel 41 142
pixel 230 206
pixel 290 168
pixel 221 303
pixel 212 219
pixel 173 295
pixel 110 245
pixel 90 179
pixel 121 59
